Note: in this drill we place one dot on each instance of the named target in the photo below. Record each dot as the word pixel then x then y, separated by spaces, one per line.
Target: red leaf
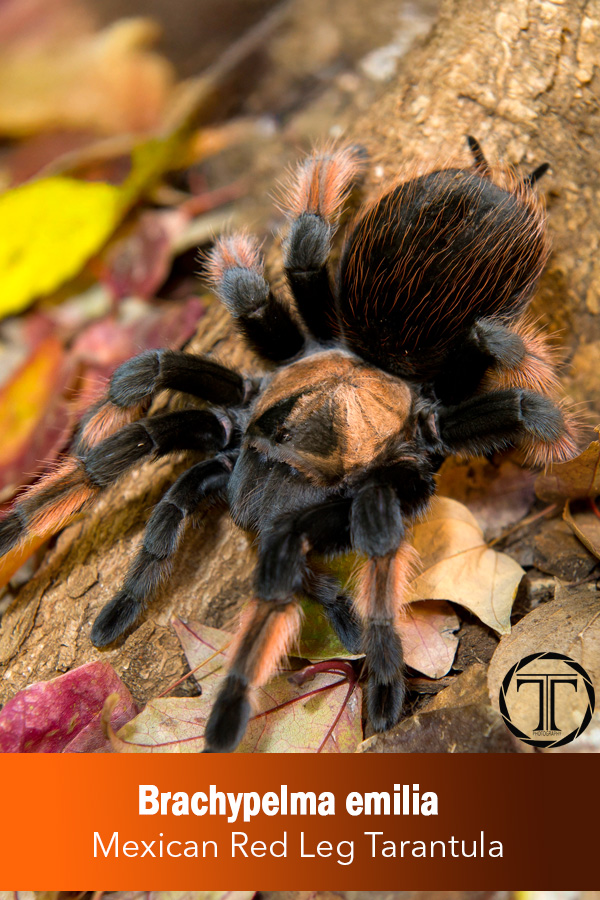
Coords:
pixel 64 715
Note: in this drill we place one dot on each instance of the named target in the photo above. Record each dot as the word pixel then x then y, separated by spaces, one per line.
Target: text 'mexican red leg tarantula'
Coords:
pixel 417 349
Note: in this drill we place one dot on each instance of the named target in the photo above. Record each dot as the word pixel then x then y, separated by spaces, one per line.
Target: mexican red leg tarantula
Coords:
pixel 418 350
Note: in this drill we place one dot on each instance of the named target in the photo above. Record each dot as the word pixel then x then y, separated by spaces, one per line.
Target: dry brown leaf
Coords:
pixel 458 720
pixel 497 495
pixel 585 523
pixel 570 624
pixel 429 638
pixel 109 82
pixel 457 565
pixel 573 480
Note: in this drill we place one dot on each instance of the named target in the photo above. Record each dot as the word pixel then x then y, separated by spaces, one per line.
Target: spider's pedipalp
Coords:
pixel 162 536
pixel 236 273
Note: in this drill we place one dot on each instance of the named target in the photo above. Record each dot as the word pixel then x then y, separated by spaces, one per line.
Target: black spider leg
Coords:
pixel 306 253
pixel 498 419
pixel 155 370
pixel 312 200
pixel 162 536
pixel 480 162
pixel 280 575
pixel 235 270
pixel 487 344
pixel 189 429
pixel 378 524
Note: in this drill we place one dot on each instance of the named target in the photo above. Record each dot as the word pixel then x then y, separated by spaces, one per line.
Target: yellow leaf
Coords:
pixel 48 231
pixel 457 565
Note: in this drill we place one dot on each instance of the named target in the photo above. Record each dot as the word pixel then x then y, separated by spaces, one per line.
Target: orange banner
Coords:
pixel 379 822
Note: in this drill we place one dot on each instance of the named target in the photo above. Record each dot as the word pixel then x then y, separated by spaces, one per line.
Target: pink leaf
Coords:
pixel 64 715
pixel 428 637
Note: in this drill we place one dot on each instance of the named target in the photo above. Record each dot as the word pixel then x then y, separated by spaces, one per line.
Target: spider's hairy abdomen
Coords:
pixel 430 258
pixel 329 415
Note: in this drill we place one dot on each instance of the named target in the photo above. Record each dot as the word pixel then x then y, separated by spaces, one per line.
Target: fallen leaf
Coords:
pixel 64 715
pixel 318 640
pixel 458 720
pixel 497 495
pixel 109 82
pixel 48 231
pixel 556 551
pixel 429 638
pixel 138 264
pixel 321 715
pixel 569 624
pixel 585 523
pixel 457 565
pixel 572 480
pixel 35 421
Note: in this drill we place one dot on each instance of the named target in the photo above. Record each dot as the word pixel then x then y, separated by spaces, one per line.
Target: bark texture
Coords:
pixel 523 78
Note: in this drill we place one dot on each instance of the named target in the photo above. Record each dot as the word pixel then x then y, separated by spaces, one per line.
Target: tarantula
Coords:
pixel 418 350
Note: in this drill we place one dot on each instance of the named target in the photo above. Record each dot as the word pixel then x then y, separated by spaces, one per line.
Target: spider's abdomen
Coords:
pixel 329 415
pixel 432 257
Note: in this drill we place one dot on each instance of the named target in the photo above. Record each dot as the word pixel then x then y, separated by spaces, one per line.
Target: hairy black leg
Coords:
pixel 324 528
pixel 377 529
pixel 140 378
pixel 274 619
pixel 162 536
pixel 235 269
pixel 267 632
pixel 488 344
pixel 313 199
pixel 326 590
pixel 156 436
pixel 382 589
pixel 498 419
pixel 306 253
pixel 481 164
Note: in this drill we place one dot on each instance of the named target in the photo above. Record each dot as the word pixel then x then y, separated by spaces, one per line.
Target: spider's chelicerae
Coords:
pixel 418 349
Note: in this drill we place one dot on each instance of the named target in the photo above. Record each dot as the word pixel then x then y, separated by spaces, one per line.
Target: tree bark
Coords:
pixel 522 77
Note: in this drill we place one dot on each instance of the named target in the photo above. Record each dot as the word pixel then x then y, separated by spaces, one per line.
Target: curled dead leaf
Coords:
pixel 585 523
pixel 457 565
